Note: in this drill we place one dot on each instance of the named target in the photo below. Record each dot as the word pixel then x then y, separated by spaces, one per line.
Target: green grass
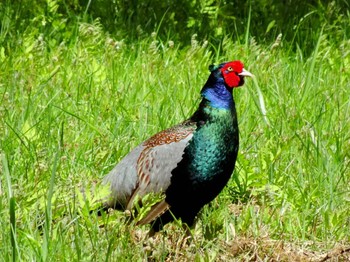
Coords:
pixel 69 112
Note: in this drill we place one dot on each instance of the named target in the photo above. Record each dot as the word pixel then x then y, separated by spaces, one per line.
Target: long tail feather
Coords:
pixel 156 211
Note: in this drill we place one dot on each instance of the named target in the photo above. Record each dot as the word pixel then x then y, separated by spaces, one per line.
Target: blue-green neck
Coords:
pixel 216 93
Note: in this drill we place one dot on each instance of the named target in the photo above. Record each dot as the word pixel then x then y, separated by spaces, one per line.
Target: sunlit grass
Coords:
pixel 71 111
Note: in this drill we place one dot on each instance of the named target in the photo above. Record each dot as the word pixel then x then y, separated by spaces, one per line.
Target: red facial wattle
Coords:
pixel 230 73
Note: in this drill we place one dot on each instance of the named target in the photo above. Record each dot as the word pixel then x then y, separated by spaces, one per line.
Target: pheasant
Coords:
pixel 190 163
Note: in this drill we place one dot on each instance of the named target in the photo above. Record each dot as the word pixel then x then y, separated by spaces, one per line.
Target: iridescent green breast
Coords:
pixel 207 164
pixel 214 146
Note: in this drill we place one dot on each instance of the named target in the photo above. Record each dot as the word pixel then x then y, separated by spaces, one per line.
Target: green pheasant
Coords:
pixel 191 162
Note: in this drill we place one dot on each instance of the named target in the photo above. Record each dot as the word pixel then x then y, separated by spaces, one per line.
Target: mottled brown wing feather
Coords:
pixel 160 155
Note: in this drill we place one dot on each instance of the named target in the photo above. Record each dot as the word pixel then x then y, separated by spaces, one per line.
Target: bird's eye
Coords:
pixel 229 69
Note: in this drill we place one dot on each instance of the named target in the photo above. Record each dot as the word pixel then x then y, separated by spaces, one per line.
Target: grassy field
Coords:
pixel 70 111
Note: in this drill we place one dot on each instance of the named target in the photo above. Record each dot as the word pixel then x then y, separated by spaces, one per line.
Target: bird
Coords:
pixel 189 163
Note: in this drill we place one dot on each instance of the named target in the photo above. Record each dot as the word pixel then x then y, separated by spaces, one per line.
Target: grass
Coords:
pixel 71 111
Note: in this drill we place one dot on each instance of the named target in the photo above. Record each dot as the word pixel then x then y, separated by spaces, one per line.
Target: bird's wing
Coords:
pixel 123 179
pixel 148 167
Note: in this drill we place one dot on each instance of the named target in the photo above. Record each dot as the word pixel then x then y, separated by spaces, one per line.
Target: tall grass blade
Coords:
pixel 248 25
pixel 310 73
pixel 48 211
pixel 260 102
pixel 12 208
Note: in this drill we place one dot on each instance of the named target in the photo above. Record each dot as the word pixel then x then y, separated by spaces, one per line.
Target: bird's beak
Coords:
pixel 245 73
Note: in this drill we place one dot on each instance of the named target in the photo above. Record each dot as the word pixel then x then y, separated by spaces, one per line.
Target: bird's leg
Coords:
pixel 187 229
pixel 151 232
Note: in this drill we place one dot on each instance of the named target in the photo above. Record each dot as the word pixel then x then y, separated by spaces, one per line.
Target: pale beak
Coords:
pixel 245 73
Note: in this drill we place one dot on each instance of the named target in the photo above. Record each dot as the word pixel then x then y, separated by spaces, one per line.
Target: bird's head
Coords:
pixel 232 73
pixel 223 78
